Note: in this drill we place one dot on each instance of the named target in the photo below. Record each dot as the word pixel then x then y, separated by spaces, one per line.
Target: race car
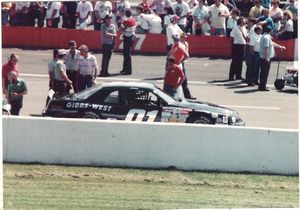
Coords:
pixel 138 101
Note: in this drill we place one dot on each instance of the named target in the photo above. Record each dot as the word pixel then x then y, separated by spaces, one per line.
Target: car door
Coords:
pixel 109 103
pixel 142 105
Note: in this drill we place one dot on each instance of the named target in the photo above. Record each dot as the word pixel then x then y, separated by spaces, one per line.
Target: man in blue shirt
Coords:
pixel 266 53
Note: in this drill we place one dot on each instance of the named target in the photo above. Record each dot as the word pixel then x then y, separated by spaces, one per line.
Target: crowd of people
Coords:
pixel 77 68
pixel 199 17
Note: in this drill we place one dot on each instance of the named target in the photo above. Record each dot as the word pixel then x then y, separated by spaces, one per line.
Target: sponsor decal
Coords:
pixel 81 105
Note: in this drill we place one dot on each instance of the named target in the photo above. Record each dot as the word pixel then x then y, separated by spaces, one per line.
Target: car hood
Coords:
pixel 209 107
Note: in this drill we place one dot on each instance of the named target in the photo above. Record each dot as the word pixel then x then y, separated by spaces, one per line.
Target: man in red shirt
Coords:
pixel 178 51
pixel 11 65
pixel 174 77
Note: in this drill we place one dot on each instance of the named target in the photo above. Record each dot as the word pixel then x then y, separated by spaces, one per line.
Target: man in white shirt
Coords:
pixel 84 11
pixel 87 71
pixel 72 63
pixel 254 50
pixel 154 22
pixel 121 7
pixel 218 13
pixel 101 9
pixel 172 29
pixel 239 35
pixel 181 9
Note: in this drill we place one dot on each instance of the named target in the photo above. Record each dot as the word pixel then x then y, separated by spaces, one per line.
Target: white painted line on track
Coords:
pixel 253 107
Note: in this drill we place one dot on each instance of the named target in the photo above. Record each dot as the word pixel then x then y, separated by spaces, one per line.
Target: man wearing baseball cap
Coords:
pixel 172 29
pixel 62 84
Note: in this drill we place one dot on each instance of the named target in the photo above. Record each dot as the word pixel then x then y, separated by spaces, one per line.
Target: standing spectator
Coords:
pixel 121 7
pixel 52 14
pixel 11 65
pixel 218 13
pixel 154 23
pixel 276 14
pixel 185 88
pixel 256 10
pixel 288 30
pixel 189 19
pixel 201 16
pixel 16 90
pixel 266 3
pixel 172 30
pixel 239 35
pixel 68 11
pixel 244 6
pixel 292 6
pixel 174 77
pixel 181 9
pixel 84 11
pixel 167 19
pixel 161 7
pixel 142 24
pixel 87 71
pixel 294 10
pixel 21 17
pixel 128 27
pixel 265 19
pixel 228 5
pixel 37 11
pixel 248 53
pixel 72 63
pixel 254 49
pixel 62 84
pixel 231 21
pixel 145 6
pixel 266 53
pixel 5 8
pixel 108 33
pixel 51 72
pixel 101 10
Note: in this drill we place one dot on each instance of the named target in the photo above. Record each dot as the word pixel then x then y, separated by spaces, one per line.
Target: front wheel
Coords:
pixel 201 120
pixel 279 84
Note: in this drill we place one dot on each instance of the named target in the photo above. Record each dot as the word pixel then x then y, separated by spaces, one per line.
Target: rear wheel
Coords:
pixel 279 84
pixel 91 115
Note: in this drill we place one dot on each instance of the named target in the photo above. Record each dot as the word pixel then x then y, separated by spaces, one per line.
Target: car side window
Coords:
pixel 139 98
pixel 112 98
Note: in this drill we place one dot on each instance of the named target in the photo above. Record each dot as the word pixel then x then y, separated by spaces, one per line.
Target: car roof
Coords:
pixel 128 84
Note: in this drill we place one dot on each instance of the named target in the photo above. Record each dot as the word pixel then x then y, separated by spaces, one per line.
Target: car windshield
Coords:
pixel 164 96
pixel 87 92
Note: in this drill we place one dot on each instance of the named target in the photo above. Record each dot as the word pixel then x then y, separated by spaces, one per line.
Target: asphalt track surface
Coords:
pixel 207 79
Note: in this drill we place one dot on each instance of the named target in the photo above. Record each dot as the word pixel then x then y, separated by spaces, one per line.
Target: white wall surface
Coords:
pixel 150 145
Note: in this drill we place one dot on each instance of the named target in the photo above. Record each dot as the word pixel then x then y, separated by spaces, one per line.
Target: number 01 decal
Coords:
pixel 140 114
pixel 140 39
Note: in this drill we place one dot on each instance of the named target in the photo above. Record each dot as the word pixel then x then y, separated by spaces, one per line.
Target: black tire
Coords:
pixel 201 120
pixel 90 115
pixel 279 84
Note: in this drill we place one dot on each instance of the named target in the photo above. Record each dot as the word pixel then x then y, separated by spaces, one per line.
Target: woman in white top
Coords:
pixel 239 35
pixel 288 29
